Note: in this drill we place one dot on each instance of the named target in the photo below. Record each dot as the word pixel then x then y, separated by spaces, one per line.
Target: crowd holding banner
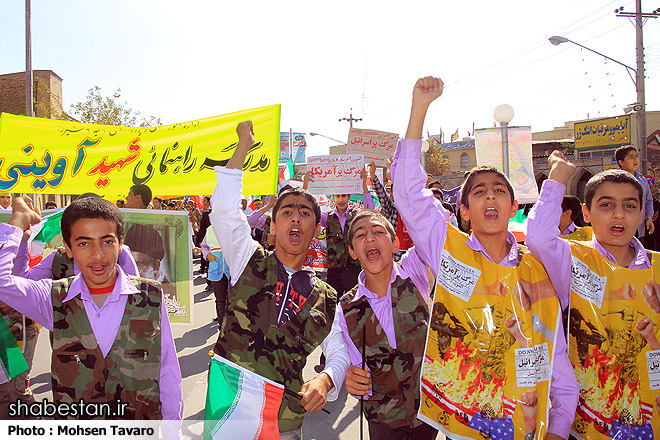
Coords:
pixel 462 334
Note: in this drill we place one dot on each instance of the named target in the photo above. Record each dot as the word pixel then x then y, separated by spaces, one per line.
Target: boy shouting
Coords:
pixel 495 353
pixel 111 338
pixel 610 286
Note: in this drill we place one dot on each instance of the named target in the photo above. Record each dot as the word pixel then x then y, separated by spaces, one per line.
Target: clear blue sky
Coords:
pixel 186 60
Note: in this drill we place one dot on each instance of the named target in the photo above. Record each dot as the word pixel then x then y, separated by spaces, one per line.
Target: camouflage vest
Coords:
pixel 337 241
pixel 394 372
pixel 62 264
pixel 264 236
pixel 251 338
pixel 131 370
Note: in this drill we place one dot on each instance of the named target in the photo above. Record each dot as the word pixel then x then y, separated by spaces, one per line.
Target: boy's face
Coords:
pixel 295 225
pixel 95 249
pixel 630 163
pixel 372 245
pixel 341 201
pixel 258 205
pixel 5 200
pixel 615 213
pixel 490 204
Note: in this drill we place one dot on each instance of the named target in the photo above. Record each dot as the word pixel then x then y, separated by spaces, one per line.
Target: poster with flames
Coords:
pixel 614 348
pixel 489 351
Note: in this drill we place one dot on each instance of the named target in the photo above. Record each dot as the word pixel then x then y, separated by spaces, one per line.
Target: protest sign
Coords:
pixel 338 174
pixel 613 347
pixel 490 342
pixel 60 157
pixel 488 144
pixel 299 147
pixel 161 246
pixel 374 145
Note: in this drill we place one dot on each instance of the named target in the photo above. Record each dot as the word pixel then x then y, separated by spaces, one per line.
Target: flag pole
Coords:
pixel 364 340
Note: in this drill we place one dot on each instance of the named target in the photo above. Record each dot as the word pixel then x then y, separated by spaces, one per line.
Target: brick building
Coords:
pixel 47 94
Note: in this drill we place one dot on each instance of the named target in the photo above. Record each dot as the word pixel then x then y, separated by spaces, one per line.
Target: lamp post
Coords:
pixel 638 80
pixel 327 137
pixel 504 114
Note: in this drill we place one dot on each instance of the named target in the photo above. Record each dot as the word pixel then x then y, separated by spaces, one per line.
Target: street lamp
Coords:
pixel 638 80
pixel 504 114
pixel 327 137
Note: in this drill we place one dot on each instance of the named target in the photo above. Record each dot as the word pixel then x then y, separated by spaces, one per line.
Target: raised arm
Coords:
pixel 423 215
pixel 543 227
pixel 367 200
pixel 253 219
pixel 31 298
pixel 387 207
pixel 228 222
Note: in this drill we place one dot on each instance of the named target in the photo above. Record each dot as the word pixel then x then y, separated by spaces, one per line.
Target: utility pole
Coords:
pixel 640 116
pixel 28 59
pixel 350 119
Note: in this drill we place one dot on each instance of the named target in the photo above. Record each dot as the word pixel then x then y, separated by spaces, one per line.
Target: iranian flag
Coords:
pixel 12 362
pixel 286 173
pixel 240 403
pixel 42 233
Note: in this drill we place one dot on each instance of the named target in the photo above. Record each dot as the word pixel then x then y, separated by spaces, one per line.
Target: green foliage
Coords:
pixel 108 110
pixel 436 164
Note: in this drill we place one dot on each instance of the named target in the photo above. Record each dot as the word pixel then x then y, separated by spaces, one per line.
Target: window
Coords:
pixel 464 160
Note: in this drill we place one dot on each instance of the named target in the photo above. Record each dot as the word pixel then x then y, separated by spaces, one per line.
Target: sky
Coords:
pixel 188 60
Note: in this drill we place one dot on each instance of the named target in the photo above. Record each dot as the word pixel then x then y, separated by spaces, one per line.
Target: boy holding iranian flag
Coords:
pixel 278 312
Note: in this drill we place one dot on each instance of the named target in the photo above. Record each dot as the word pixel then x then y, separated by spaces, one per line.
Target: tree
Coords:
pixel 96 109
pixel 436 164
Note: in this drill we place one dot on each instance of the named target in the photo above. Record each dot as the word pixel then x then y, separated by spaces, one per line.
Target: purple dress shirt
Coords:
pixel 257 219
pixel 368 204
pixel 410 267
pixel 647 202
pixel 425 218
pixel 33 299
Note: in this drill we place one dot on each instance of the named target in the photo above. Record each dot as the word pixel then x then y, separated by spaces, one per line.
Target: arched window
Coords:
pixel 464 160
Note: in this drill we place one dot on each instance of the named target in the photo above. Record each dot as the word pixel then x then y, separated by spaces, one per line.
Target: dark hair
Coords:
pixel 50 205
pixel 435 182
pixel 621 153
pixel 145 239
pixel 298 192
pixel 611 176
pixel 91 208
pixel 207 198
pixel 372 214
pixel 284 188
pixel 159 198
pixel 572 203
pixel 438 191
pixel 143 191
pixel 473 173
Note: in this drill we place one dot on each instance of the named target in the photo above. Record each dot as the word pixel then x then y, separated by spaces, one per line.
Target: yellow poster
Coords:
pixel 614 348
pixel 489 353
pixel 60 157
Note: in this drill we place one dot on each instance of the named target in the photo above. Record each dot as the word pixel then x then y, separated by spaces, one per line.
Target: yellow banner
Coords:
pixel 608 132
pixel 60 157
pixel 614 347
pixel 490 347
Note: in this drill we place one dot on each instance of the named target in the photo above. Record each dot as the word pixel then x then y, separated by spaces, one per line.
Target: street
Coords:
pixel 193 343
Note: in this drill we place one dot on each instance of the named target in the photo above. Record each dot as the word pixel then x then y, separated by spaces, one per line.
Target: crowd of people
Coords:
pixel 409 289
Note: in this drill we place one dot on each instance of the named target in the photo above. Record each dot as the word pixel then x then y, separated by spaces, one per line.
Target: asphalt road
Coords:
pixel 193 343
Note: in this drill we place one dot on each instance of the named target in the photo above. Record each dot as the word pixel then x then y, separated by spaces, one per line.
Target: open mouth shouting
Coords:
pixel 491 214
pixel 617 229
pixel 295 235
pixel 373 254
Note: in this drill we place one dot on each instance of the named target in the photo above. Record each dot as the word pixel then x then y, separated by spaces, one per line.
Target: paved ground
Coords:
pixel 193 343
